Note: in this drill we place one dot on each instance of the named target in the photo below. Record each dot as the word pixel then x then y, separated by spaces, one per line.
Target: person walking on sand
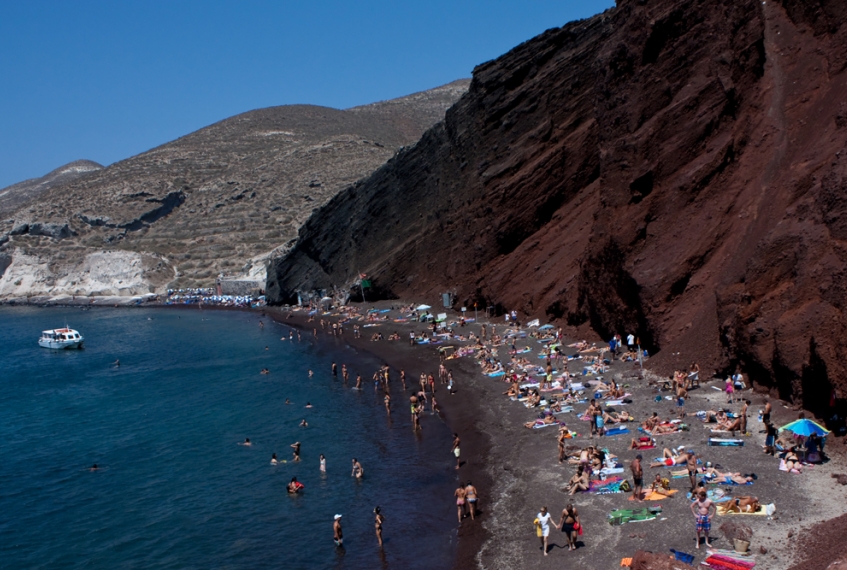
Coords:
pixel 691 465
pixel 702 510
pixel 472 499
pixel 637 477
pixel 569 523
pixel 459 493
pixel 563 435
pixel 455 449
pixel 337 535
pixel 544 521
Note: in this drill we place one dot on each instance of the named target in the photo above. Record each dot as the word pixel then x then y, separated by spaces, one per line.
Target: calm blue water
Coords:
pixel 176 490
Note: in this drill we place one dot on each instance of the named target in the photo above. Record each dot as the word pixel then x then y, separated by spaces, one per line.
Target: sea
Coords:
pixel 174 488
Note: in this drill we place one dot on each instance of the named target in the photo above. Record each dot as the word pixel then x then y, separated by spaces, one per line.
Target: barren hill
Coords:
pixel 17 195
pixel 673 168
pixel 217 200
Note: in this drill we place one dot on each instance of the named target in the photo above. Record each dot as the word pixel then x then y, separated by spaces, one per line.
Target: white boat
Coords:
pixel 61 338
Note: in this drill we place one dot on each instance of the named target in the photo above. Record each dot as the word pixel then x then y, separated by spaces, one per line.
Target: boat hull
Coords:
pixel 60 344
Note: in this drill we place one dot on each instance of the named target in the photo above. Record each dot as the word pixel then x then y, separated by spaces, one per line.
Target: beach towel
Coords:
pixel 623 516
pixel 539 426
pixel 725 442
pixel 642 430
pixel 611 470
pixel 626 562
pixel 653 496
pixel 723 562
pixel 617 431
pixel 716 495
pixel 745 558
pixel 608 486
pixel 764 511
pixel 495 374
pixel 726 481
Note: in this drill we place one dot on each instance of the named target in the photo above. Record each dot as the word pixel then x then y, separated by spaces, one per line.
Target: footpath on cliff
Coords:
pixel 516 469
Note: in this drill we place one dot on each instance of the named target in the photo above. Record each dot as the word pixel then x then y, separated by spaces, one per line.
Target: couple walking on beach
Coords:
pixel 569 524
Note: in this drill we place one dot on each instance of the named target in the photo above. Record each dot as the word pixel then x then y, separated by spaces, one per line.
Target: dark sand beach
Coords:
pixel 517 472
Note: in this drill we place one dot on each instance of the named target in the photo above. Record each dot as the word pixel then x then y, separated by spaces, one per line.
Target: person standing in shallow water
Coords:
pixel 379 518
pixel 334 369
pixel 455 449
pixel 337 535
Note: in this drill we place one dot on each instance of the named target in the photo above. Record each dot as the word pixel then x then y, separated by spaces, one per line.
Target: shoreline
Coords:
pixel 459 413
pixel 513 470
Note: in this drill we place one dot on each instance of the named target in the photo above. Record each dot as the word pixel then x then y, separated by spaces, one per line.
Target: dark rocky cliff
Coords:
pixel 672 168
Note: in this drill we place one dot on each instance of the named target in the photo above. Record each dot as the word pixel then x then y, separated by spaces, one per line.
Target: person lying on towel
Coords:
pixel 743 505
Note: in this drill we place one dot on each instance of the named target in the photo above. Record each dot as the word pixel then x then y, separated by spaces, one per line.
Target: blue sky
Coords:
pixel 110 79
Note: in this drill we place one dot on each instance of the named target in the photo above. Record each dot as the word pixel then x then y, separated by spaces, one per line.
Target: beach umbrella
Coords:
pixel 545 327
pixel 805 428
pixel 423 308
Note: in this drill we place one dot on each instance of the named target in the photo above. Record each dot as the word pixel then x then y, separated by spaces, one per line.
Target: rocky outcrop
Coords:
pixel 674 169
pixel 105 273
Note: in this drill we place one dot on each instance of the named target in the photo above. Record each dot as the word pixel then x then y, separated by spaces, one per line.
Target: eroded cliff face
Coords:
pixel 671 168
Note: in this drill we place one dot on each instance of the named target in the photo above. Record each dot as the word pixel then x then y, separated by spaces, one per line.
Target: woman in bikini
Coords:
pixel 379 518
pixel 460 501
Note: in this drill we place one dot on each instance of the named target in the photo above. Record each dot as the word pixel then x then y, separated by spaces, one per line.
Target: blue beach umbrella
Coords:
pixel 805 428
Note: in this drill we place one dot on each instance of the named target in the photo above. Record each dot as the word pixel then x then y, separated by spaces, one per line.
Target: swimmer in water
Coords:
pixel 357 472
pixel 266 348
pixel 117 363
pixel 304 423
pixel 294 486
pixel 246 442
pixel 296 447
pixel 311 373
pixel 273 459
pixel 308 404
pixel 94 468
pixel 323 463
pixel 287 401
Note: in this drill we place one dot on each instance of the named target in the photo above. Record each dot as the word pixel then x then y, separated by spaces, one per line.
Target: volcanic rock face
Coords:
pixel 217 200
pixel 671 168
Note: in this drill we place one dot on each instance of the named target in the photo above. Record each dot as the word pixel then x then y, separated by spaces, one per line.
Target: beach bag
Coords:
pixel 578 528
pixel 537 524
pixel 625 486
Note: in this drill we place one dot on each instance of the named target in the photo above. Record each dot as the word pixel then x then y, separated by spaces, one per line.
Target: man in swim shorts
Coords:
pixel 455 448
pixel 702 510
pixel 637 477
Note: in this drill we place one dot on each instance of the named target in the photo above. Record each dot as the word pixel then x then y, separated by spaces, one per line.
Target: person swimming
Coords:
pixel 274 460
pixel 246 442
pixel 295 486
pixel 304 423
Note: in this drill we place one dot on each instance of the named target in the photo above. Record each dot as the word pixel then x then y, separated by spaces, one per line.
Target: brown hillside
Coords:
pixel 671 168
pixel 221 198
